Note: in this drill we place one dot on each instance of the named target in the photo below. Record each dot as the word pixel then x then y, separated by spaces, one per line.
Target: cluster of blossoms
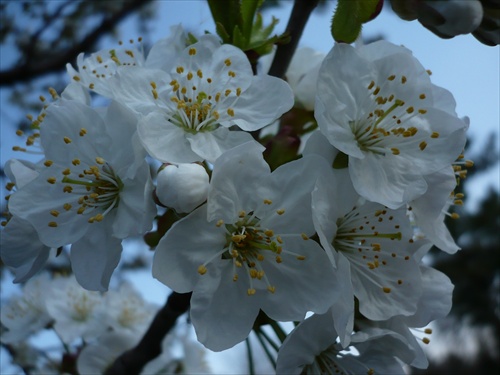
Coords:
pixel 339 230
pixel 94 328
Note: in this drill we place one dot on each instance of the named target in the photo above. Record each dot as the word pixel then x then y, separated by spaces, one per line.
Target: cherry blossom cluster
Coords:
pixel 339 231
pixel 93 327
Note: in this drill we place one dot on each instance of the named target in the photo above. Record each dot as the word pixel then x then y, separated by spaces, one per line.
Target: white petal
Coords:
pixel 262 103
pixel 179 253
pixel 94 258
pixel 165 141
pixel 211 145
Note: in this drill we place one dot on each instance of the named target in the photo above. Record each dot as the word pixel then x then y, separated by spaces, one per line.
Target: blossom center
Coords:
pixel 364 236
pixel 195 101
pixel 386 126
pixel 98 189
pixel 248 245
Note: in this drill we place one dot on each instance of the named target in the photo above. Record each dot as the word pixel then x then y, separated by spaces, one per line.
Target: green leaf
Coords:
pixel 248 10
pixel 226 13
pixel 349 17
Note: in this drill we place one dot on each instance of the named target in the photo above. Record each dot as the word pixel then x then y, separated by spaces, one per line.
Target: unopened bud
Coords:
pixel 182 187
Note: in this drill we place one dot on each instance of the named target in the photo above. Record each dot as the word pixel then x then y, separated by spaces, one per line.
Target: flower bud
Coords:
pixel 182 187
pixel 445 18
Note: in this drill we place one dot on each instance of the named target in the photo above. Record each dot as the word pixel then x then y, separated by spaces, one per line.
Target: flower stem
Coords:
pixel 301 11
pixel 278 330
pixel 266 349
pixel 251 369
pixel 268 339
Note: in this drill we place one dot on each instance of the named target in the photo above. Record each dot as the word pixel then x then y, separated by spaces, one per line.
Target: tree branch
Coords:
pixel 33 68
pixel 132 361
pixel 301 11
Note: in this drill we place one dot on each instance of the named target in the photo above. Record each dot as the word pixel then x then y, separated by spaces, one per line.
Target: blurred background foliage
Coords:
pixel 59 30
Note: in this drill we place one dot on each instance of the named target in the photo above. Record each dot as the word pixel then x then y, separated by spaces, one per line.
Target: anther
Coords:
pixel 202 270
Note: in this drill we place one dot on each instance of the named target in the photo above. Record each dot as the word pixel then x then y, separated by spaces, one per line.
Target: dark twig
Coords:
pixel 32 68
pixel 301 11
pixel 132 361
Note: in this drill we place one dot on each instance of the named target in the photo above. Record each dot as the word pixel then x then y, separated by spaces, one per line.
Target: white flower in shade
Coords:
pixel 21 250
pixel 430 210
pixel 373 241
pixel 190 359
pixel 126 310
pixel 73 310
pixel 301 75
pixel 93 72
pixel 248 249
pixel 97 356
pixel 313 348
pixel 94 191
pixel 377 105
pixel 182 187
pixel 187 112
pixel 435 303
pixel 26 314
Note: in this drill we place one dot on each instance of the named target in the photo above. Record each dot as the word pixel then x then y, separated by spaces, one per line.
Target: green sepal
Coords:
pixel 222 32
pixel 164 223
pixel 239 39
pixel 191 39
pixel 341 161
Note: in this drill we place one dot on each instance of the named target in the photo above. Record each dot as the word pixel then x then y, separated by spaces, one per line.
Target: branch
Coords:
pixel 301 11
pixel 32 68
pixel 132 361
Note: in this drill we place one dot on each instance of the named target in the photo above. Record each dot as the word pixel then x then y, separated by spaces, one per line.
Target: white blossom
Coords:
pixel 94 187
pixel 248 248
pixel 377 105
pixel 21 249
pixel 26 314
pixel 312 348
pixel 186 113
pixel 73 310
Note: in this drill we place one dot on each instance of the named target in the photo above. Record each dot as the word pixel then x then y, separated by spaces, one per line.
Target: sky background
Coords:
pixel 464 66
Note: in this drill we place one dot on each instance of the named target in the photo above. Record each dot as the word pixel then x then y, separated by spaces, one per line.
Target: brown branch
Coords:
pixel 32 68
pixel 301 11
pixel 132 361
